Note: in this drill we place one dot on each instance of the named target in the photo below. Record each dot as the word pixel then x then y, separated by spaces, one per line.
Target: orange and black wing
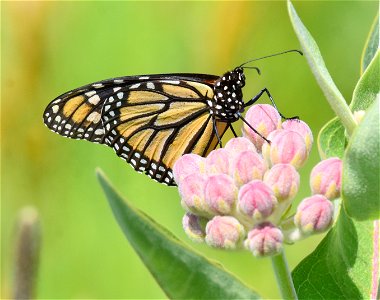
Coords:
pixel 149 121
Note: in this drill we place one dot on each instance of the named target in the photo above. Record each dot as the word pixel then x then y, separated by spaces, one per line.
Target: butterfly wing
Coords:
pixel 149 121
pixel 76 114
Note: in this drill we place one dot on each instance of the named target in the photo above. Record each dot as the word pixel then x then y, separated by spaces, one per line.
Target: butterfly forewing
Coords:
pixel 150 121
pixel 77 113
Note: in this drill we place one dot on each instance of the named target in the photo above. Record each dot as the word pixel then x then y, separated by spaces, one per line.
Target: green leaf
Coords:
pixel 331 139
pixel 371 46
pixel 320 72
pixel 360 178
pixel 341 267
pixel 179 271
pixel 368 86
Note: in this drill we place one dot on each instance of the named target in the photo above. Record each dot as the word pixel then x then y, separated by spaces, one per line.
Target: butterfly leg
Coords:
pixel 233 130
pixel 265 90
pixel 254 130
pixel 216 132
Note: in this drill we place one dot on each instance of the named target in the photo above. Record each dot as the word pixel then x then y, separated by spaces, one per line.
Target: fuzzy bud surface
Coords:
pixel 326 178
pixel 194 227
pixel 224 232
pixel 287 147
pixel 256 200
pixel 220 193
pixel 265 119
pixel 314 214
pixel 264 240
pixel 284 180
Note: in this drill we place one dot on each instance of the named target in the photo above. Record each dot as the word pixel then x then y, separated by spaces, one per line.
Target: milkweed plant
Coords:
pixel 242 196
pixel 239 195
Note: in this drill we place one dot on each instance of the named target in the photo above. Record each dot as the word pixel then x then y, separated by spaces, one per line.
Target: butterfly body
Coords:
pixel 228 96
pixel 151 120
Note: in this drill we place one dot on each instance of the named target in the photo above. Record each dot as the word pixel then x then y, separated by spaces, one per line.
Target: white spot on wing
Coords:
pixel 94 99
pixel 134 86
pixel 90 93
pixel 170 81
pixel 94 117
pixel 97 85
pixel 150 85
pixel 55 109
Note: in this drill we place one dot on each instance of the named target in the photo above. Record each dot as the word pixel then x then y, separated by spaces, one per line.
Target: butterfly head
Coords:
pixel 228 95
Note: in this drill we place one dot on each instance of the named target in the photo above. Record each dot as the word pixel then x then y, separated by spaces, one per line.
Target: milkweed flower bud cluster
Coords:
pixel 239 195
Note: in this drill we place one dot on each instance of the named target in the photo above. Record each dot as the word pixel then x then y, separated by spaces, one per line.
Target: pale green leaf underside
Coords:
pixel 179 271
pixel 360 180
pixel 331 139
pixel 372 45
pixel 368 86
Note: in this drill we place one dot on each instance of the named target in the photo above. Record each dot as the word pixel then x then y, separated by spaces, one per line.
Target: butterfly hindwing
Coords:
pixel 151 124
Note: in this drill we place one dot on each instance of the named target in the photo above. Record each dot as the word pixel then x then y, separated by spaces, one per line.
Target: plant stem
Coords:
pixel 284 279
pixel 28 242
pixel 321 74
pixel 341 109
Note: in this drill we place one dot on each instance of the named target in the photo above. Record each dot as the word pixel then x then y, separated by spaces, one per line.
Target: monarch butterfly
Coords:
pixel 152 120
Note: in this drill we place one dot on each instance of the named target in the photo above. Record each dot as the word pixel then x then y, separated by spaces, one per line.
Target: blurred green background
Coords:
pixel 51 47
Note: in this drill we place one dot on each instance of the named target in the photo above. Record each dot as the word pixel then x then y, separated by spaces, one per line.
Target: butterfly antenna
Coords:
pixel 275 54
pixel 256 68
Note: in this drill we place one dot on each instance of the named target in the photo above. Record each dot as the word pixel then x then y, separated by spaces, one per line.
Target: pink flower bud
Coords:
pixel 194 227
pixel 302 128
pixel 284 181
pixel 192 191
pixel 239 144
pixel 186 165
pixel 220 193
pixel 287 147
pixel 224 232
pixel 247 166
pixel 264 118
pixel 326 177
pixel 314 214
pixel 256 200
pixel 264 240
pixel 217 162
